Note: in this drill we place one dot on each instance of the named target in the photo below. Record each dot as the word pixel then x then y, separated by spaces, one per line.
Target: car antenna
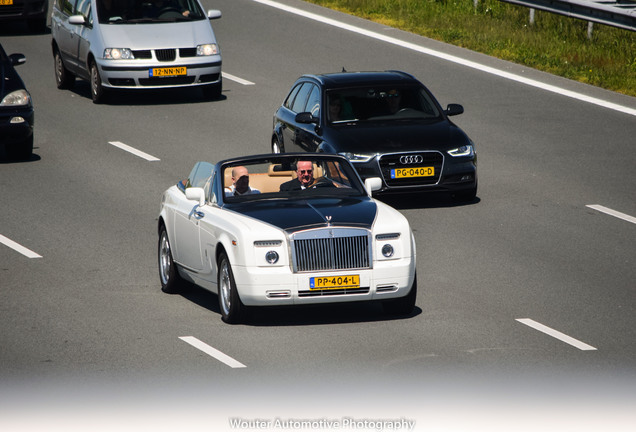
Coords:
pixel 343 69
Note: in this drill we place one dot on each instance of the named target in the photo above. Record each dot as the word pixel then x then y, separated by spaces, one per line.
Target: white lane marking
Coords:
pixel 133 151
pixel 212 352
pixel 614 213
pixel 18 248
pixel 556 334
pixel 237 79
pixel 451 58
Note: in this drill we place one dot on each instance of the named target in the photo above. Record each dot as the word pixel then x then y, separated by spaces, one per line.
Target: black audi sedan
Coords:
pixel 388 124
pixel 16 109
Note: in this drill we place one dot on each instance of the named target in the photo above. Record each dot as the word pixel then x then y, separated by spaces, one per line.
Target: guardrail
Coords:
pixel 615 13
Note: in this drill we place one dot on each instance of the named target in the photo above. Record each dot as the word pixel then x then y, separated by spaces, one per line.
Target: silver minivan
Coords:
pixel 135 44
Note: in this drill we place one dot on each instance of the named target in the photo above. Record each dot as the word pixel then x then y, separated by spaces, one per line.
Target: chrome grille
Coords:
pixel 331 249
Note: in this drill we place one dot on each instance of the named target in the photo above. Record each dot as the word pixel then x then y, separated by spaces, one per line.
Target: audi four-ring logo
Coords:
pixel 411 159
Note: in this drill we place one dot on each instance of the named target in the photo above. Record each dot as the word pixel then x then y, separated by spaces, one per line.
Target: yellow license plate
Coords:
pixel 334 282
pixel 412 172
pixel 168 71
pixel 6 2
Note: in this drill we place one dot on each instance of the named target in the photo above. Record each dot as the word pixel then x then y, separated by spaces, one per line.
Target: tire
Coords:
pixel 168 274
pixel 21 151
pixel 276 146
pixel 230 305
pixel 403 305
pixel 466 196
pixel 63 78
pixel 98 92
pixel 37 25
pixel 212 92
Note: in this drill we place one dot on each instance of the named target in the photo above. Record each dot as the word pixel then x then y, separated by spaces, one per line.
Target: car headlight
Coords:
pixel 357 157
pixel 388 249
pixel 207 50
pixel 465 150
pixel 118 54
pixel 271 256
pixel 17 98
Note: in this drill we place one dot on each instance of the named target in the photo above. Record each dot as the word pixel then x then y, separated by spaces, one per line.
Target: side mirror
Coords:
pixel 306 118
pixel 214 14
pixel 17 59
pixel 77 20
pixel 372 184
pixel 196 194
pixel 454 109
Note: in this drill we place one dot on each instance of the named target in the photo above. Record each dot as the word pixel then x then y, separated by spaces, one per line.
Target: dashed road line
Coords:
pixel 614 213
pixel 223 358
pixel 18 247
pixel 556 334
pixel 451 58
pixel 236 79
pixel 133 151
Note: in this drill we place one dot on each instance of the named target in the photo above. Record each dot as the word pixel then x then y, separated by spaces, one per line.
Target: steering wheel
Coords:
pixel 321 182
pixel 169 12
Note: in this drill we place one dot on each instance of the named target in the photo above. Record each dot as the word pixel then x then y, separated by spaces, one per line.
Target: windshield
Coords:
pixel 380 103
pixel 285 177
pixel 147 11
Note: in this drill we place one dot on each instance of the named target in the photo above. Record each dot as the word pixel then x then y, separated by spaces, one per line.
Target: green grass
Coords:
pixel 554 43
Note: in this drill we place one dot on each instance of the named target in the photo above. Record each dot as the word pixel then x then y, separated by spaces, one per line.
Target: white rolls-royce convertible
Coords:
pixel 285 229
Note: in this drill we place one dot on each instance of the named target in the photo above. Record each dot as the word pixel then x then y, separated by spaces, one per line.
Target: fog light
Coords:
pixel 271 257
pixel 17 119
pixel 387 250
pixel 467 177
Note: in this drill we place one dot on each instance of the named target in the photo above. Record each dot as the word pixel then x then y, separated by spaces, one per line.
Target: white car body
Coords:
pixel 202 223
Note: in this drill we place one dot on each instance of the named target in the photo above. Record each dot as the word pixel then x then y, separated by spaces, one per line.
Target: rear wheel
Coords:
pixel 232 309
pixel 168 273
pixel 63 78
pixel 403 305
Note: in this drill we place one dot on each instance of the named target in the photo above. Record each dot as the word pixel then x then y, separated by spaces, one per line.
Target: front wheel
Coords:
pixel 403 305
pixel 98 92
pixel 168 273
pixel 213 91
pixel 232 309
pixel 277 147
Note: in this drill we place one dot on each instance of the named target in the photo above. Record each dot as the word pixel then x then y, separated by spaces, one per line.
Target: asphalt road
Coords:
pixel 526 306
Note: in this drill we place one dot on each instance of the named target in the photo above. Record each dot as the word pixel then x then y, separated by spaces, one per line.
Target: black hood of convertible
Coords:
pixel 295 215
pixel 396 136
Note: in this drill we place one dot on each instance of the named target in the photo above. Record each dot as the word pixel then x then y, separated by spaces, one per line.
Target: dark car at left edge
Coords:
pixel 387 123
pixel 33 12
pixel 16 108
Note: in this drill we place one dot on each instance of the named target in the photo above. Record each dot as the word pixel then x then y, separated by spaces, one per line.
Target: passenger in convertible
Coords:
pixel 240 183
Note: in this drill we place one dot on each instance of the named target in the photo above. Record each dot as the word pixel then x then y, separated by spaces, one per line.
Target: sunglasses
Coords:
pixel 309 171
